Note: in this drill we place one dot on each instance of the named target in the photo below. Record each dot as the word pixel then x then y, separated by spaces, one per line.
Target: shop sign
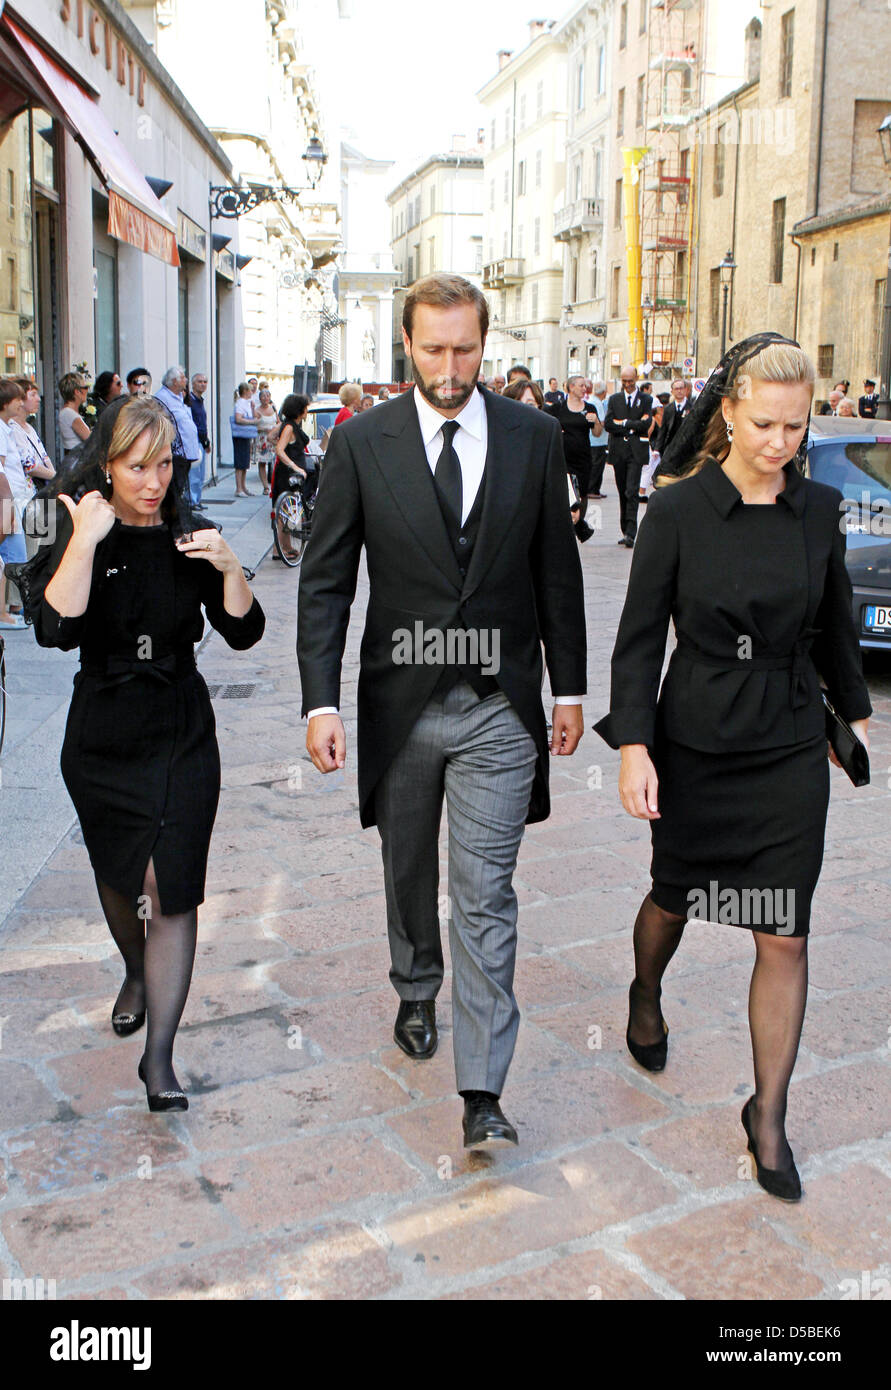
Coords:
pixel 104 42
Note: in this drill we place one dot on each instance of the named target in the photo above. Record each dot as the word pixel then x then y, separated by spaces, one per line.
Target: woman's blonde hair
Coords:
pixel 350 393
pixel 136 415
pixel 782 364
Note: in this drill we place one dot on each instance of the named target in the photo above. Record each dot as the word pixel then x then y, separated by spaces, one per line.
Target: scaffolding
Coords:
pixel 674 94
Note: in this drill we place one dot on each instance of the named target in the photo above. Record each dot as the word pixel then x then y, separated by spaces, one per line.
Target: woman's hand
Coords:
pixel 92 517
pixel 859 727
pixel 638 783
pixel 209 545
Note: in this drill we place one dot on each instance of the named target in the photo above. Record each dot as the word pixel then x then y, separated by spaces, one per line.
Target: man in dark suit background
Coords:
pixel 868 404
pixel 458 496
pixel 629 416
pixel 673 416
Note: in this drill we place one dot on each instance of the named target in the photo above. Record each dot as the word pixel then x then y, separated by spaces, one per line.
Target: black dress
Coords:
pixel 761 601
pixel 282 477
pixel 576 441
pixel 140 757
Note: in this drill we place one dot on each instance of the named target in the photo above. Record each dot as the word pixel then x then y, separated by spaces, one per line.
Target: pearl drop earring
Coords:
pixel 729 424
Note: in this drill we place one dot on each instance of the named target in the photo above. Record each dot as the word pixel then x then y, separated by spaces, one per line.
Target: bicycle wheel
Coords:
pixel 290 521
pixel 2 692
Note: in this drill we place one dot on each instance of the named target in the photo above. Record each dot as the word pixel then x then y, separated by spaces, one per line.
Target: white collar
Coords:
pixel 431 422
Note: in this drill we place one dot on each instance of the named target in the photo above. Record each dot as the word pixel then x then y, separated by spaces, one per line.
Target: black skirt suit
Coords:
pixel 761 602
pixel 140 757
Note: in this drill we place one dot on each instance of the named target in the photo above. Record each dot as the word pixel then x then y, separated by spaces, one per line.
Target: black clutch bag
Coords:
pixel 846 746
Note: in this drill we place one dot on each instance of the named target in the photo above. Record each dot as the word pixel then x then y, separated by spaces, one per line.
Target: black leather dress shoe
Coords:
pixel 485 1126
pixel 628 543
pixel 415 1030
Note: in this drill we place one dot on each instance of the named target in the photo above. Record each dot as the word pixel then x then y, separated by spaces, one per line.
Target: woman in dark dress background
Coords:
pixel 125 580
pixel 577 421
pixel 291 457
pixel 730 766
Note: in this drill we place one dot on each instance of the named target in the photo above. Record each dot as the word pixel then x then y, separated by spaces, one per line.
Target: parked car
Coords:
pixel 855 456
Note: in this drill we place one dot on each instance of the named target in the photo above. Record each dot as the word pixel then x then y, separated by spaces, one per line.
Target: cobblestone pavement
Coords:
pixel 317 1161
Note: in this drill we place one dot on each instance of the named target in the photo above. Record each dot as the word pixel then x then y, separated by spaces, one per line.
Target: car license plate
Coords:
pixel 877 618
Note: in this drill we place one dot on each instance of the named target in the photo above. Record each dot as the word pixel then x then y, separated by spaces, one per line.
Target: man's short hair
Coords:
pixel 443 292
pixel 173 374
pixel 518 370
pixel 196 375
pixel 137 372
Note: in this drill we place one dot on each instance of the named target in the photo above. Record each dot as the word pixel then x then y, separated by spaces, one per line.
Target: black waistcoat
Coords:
pixel 463 539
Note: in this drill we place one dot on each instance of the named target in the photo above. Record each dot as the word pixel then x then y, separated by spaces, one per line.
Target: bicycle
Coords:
pixel 292 517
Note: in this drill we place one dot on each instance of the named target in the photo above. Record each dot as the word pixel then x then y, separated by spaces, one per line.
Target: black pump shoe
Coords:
pixel 164 1100
pixel 779 1182
pixel 415 1028
pixel 651 1056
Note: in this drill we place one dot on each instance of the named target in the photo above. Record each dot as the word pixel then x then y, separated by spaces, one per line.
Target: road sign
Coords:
pixel 689 365
pixel 698 384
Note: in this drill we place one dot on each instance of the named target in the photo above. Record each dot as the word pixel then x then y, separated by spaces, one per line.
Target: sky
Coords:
pixel 405 73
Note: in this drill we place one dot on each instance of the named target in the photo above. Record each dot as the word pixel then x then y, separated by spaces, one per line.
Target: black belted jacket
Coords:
pixel 761 602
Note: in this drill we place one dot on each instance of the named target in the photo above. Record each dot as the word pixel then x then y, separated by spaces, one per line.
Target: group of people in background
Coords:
pixel 842 405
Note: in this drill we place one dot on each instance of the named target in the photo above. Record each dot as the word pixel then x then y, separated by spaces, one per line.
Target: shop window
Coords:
pixel 106 311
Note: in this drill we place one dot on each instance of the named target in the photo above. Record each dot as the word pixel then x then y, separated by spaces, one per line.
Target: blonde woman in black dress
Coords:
pixel 730 763
pixel 125 580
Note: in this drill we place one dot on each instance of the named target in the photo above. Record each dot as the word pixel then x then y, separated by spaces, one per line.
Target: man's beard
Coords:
pixel 454 402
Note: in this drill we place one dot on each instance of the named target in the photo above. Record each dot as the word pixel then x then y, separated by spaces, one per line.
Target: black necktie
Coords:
pixel 448 471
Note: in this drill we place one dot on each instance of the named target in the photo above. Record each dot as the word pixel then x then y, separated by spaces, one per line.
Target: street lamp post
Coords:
pixel 726 268
pixel 883 409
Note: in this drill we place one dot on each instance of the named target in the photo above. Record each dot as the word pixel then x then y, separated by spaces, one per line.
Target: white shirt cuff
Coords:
pixel 567 699
pixel 323 709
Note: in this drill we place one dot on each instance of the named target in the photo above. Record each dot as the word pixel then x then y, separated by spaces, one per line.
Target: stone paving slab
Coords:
pixel 318 1162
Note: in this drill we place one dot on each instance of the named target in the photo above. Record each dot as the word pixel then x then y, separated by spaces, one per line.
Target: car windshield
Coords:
pixel 854 468
pixel 320 421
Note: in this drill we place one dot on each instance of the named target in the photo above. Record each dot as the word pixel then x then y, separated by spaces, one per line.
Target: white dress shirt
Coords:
pixel 470 443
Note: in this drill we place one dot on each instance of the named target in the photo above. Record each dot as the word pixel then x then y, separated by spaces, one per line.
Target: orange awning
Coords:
pixel 134 213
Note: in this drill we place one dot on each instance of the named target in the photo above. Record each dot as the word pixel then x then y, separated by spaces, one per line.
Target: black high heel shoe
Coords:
pixel 779 1182
pixel 164 1100
pixel 651 1056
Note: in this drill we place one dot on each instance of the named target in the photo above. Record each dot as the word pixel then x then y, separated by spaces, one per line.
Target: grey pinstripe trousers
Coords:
pixel 479 755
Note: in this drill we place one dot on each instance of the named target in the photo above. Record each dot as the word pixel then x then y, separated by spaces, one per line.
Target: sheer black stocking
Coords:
pixel 169 957
pixel 777 998
pixel 128 931
pixel 657 935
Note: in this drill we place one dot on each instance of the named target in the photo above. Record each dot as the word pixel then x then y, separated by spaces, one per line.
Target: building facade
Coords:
pixel 436 225
pixel 366 278
pixel 579 224
pixel 249 74
pixel 100 266
pixel 524 181
pixel 794 185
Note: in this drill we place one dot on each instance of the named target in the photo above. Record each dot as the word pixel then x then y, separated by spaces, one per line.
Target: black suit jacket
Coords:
pixel 671 423
pixel 722 571
pixel 524 579
pixel 629 440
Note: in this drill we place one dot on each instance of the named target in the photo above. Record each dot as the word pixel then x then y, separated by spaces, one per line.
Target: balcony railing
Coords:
pixel 498 274
pixel 584 215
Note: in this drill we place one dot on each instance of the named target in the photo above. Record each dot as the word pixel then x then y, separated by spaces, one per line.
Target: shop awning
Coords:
pixel 134 213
